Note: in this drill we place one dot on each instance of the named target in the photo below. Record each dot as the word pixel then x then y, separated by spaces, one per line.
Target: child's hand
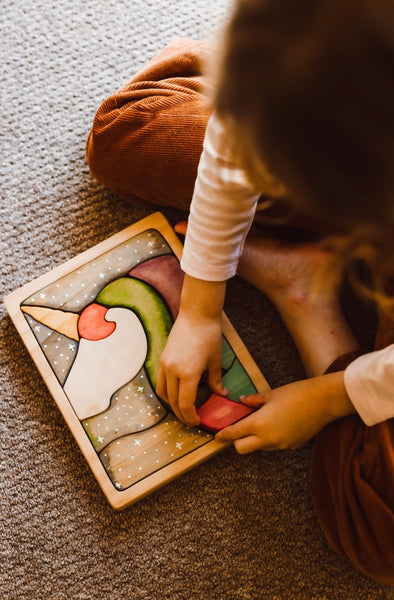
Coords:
pixel 289 415
pixel 194 346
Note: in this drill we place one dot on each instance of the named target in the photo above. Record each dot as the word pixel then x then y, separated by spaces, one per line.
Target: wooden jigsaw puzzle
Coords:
pixel 96 327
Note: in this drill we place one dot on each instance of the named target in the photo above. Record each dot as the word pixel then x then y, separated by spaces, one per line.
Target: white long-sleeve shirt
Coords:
pixel 222 211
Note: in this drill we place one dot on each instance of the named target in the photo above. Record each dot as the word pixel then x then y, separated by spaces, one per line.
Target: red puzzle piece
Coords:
pixel 219 412
pixel 92 324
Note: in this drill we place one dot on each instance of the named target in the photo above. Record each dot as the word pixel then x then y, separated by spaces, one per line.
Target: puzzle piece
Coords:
pixel 219 412
pixel 93 325
pixel 102 366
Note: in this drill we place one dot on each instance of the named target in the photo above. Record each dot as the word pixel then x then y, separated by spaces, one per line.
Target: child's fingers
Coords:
pixel 186 397
pixel 161 387
pixel 166 388
pixel 215 380
pixel 242 428
pixel 254 400
pixel 241 433
pixel 244 439
pixel 172 394
pixel 247 444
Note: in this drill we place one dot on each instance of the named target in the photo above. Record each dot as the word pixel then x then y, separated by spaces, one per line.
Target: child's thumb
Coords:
pixel 215 382
pixel 254 400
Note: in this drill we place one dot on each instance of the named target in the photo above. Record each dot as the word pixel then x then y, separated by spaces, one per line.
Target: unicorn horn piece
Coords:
pixel 59 320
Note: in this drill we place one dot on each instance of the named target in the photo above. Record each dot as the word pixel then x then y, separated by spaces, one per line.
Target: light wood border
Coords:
pixel 119 499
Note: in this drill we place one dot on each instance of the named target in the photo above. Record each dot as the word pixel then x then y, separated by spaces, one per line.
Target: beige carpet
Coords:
pixel 234 528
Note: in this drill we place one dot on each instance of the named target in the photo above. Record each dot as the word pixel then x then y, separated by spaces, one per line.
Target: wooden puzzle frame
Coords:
pixel 28 315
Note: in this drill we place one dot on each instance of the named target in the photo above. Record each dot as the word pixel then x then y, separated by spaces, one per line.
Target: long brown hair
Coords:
pixel 308 89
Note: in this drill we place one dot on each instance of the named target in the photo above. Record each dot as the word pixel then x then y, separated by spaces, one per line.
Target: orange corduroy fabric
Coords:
pixel 146 139
pixel 145 145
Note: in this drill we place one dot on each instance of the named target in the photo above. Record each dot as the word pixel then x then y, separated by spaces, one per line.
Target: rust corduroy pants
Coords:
pixel 145 145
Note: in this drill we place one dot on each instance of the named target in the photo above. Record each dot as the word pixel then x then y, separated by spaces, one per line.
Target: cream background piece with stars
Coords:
pixel 132 458
pixel 59 349
pixel 134 408
pixel 103 366
pixel 75 290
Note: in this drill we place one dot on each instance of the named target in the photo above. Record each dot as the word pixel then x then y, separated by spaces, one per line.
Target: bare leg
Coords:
pixel 286 273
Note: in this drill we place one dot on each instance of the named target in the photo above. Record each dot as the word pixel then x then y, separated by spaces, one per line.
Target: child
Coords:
pixel 302 113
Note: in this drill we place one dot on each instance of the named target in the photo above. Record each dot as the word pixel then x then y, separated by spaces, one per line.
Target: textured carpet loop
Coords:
pixel 235 528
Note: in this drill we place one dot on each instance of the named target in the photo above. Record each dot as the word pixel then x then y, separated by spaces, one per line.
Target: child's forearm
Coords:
pixel 201 298
pixel 338 403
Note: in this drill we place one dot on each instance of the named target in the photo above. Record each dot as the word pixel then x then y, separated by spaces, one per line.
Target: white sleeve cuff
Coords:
pixel 369 382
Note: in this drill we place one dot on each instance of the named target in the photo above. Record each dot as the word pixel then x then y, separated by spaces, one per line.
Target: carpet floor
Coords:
pixel 234 528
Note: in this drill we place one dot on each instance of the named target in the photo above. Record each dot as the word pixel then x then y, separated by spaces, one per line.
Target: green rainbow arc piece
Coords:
pixel 234 377
pixel 141 298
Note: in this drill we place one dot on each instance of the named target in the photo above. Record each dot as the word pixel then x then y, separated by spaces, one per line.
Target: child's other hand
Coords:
pixel 194 346
pixel 289 415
